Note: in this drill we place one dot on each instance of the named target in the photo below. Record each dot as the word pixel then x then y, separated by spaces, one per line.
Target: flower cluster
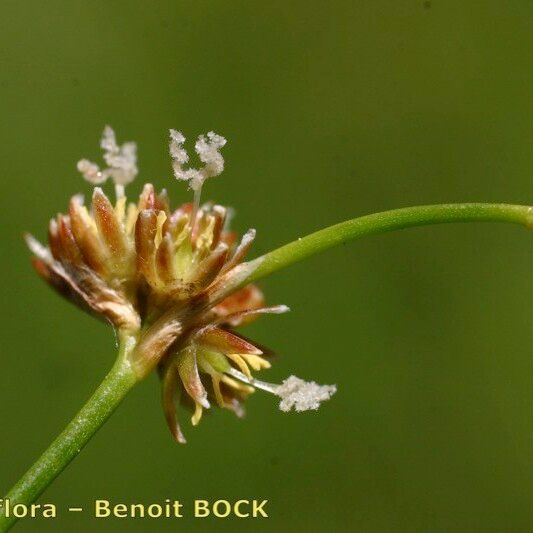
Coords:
pixel 173 281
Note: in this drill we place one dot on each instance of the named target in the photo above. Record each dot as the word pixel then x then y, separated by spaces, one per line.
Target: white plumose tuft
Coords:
pixel 208 150
pixel 303 395
pixel 121 162
pixel 91 172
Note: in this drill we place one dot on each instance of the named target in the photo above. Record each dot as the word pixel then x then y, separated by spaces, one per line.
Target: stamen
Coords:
pixel 197 416
pixel 241 363
pixel 215 379
pixel 255 361
pixel 237 385
pixel 294 392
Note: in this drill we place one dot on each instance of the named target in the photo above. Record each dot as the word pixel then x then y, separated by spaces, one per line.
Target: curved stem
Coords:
pixel 74 437
pixel 122 376
pixel 383 222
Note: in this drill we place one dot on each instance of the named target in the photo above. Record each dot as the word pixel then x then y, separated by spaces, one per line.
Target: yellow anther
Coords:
pixel 197 416
pixel 241 363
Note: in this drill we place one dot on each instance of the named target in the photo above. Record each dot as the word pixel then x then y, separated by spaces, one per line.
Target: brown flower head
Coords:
pixel 170 281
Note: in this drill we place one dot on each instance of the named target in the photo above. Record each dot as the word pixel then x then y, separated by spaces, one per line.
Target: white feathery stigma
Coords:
pixel 121 163
pixel 303 395
pixel 294 392
pixel 208 149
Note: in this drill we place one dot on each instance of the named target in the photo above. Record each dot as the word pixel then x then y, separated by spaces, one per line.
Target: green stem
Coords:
pixel 75 436
pixel 122 377
pixel 383 222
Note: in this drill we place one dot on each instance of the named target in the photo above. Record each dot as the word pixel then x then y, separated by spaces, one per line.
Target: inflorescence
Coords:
pixel 171 281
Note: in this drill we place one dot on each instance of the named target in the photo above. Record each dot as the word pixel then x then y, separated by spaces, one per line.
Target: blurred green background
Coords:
pixel 332 110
